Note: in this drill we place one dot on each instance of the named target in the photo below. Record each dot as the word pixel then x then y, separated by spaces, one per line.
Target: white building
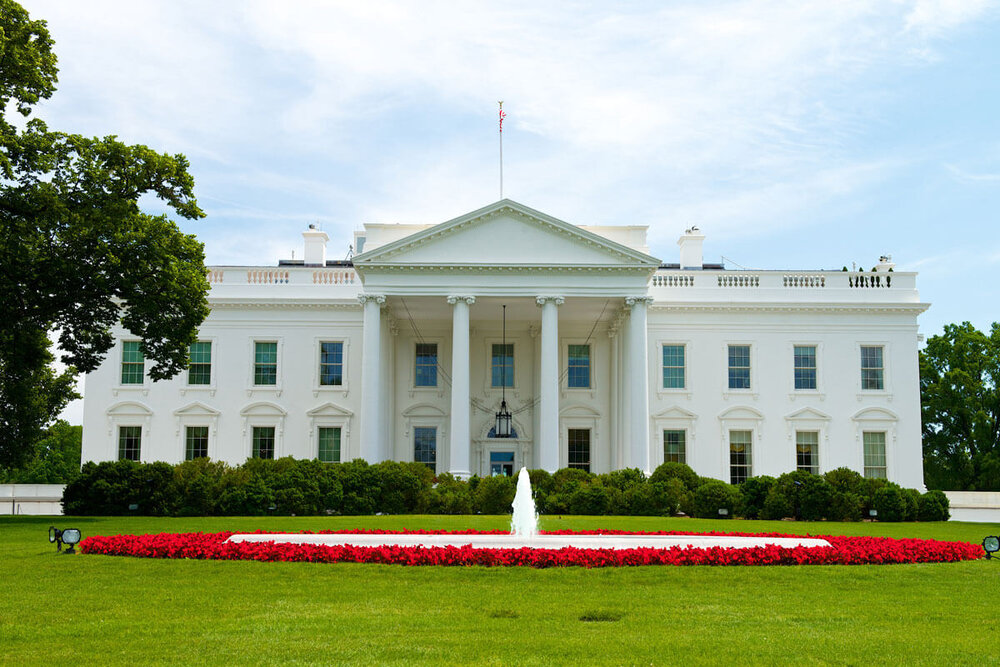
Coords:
pixel 612 359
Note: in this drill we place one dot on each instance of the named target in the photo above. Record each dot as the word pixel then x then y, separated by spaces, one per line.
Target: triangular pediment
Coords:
pixel 329 410
pixel 505 234
pixel 675 412
pixel 807 414
pixel 198 409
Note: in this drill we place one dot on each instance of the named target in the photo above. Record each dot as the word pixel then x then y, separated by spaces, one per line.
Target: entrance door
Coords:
pixel 502 463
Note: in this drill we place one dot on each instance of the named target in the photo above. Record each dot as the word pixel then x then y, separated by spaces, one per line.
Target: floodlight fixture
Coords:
pixel 723 511
pixel 991 545
pixel 68 536
pixel 873 513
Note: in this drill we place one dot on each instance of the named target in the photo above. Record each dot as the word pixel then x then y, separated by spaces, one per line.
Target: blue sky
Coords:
pixel 796 135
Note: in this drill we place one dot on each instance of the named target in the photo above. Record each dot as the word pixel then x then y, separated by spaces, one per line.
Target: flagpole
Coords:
pixel 502 114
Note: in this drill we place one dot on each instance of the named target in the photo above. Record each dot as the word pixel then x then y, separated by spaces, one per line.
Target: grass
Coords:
pixel 66 609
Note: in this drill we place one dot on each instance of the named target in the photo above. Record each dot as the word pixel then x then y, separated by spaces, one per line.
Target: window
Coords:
pixel 872 369
pixel 331 364
pixel 579 367
pixel 425 372
pixel 673 366
pixel 425 446
pixel 740 456
pixel 133 362
pixel 739 366
pixel 874 442
pixel 807 451
pixel 502 365
pixel 265 363
pixel 805 366
pixel 578 440
pixel 674 445
pixel 263 442
pixel 200 363
pixel 195 442
pixel 129 441
pixel 329 444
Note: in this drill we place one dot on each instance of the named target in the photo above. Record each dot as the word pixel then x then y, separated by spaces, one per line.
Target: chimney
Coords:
pixel 690 243
pixel 315 241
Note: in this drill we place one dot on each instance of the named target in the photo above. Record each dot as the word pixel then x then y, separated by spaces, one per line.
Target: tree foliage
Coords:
pixel 77 254
pixel 960 408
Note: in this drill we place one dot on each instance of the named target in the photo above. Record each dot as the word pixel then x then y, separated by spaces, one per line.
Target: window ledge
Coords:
pixel 127 388
pixel 870 393
pixel 739 393
pixel 806 393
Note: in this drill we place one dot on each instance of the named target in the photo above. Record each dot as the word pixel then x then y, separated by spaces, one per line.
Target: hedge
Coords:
pixel 290 486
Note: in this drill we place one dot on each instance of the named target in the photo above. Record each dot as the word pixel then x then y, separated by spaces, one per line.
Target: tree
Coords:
pixel 960 407
pixel 56 458
pixel 77 255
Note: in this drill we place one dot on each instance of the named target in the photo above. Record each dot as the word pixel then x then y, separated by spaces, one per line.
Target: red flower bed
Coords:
pixel 844 551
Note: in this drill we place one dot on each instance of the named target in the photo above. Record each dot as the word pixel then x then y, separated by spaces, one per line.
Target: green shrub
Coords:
pixel 400 486
pixel 844 506
pixel 566 480
pixel 449 496
pixel 755 492
pixel 110 487
pixel 933 506
pixel 542 485
pixel 890 503
pixel 494 495
pixel 911 500
pixel 199 484
pixel 713 495
pixel 589 499
pixel 623 480
pixel 672 497
pixel 845 480
pixel 777 505
pixel 672 470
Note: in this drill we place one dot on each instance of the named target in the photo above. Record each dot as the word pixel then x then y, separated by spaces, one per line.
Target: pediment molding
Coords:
pixel 329 409
pixel 129 408
pixel 875 414
pixel 808 414
pixel 263 409
pixel 743 412
pixel 619 257
pixel 675 412
pixel 196 408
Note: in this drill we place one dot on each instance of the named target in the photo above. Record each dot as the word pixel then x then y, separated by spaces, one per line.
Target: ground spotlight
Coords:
pixel 991 545
pixel 68 536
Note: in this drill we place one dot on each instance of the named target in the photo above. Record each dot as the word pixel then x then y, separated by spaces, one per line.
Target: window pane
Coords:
pixel 265 368
pixel 425 374
pixel 329 444
pixel 805 367
pixel 875 463
pixel 200 363
pixel 579 367
pixel 331 363
pixel 578 440
pixel 425 446
pixel 740 456
pixel 674 445
pixel 133 362
pixel 673 366
pixel 129 442
pixel 872 370
pixel 807 451
pixel 503 365
pixel 263 442
pixel 739 366
pixel 195 442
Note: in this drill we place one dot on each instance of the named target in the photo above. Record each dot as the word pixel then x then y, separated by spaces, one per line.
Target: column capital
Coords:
pixel 466 298
pixel 644 300
pixel 377 298
pixel 542 300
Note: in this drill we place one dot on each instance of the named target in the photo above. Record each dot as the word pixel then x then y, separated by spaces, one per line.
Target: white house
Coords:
pixel 609 359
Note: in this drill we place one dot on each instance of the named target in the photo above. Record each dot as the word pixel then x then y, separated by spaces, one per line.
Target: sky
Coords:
pixel 796 135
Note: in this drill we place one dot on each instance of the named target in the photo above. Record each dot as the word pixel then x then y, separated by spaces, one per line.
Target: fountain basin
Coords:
pixel 533 542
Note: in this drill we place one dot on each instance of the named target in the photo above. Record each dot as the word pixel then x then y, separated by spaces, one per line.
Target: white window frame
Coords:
pixel 330 415
pixel 197 414
pixel 127 413
pixel 809 419
pixel 686 390
pixel 425 415
pixel 819 392
pixel 318 388
pixel 886 389
pixel 876 419
pixel 519 364
pixel 412 364
pixel 212 386
pixel 740 418
pixel 819 438
pixel 581 417
pixel 263 414
pixel 142 388
pixel 275 388
pixel 564 363
pixel 674 418
pixel 728 393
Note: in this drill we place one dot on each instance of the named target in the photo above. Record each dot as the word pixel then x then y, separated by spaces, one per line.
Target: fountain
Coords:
pixel 524 520
pixel 524 534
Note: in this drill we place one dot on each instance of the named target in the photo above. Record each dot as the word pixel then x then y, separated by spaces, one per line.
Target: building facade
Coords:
pixel 606 357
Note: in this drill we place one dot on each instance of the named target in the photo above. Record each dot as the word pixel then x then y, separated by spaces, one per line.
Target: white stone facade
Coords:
pixel 593 291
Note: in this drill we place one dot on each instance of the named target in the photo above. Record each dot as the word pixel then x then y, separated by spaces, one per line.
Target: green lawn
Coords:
pixel 87 609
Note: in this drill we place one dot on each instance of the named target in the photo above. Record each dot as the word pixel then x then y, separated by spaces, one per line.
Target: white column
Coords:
pixel 371 378
pixel 548 390
pixel 639 384
pixel 458 461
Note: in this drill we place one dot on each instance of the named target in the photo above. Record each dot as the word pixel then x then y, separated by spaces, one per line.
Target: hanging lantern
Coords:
pixel 502 427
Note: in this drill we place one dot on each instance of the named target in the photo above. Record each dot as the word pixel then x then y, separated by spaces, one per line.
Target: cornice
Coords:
pixel 638 269
pixel 233 304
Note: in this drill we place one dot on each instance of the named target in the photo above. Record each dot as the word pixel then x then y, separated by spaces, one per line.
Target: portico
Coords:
pixel 562 286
